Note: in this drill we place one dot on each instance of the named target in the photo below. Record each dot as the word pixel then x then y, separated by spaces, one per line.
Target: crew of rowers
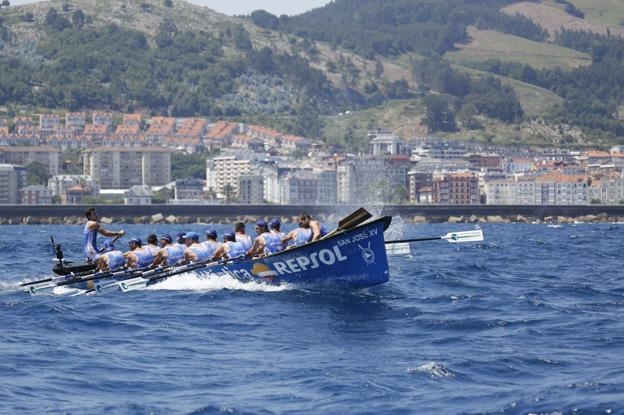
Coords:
pixel 187 248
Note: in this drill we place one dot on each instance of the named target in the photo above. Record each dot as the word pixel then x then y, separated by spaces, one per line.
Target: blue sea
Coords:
pixel 529 321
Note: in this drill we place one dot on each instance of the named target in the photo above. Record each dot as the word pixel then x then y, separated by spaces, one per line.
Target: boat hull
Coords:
pixel 348 260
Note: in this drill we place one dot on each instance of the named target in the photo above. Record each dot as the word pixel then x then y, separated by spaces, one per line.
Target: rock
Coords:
pixel 419 219
pixel 496 219
pixel 14 221
pixel 472 219
pixel 522 219
pixel 589 218
pixel 171 219
pixel 549 219
pixel 27 220
pixel 157 218
pixel 564 219
pixel 106 220
pixel 455 219
pixel 285 219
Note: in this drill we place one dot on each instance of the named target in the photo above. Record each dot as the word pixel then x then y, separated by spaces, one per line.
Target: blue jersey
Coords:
pixel 201 252
pixel 245 240
pixel 114 259
pixel 235 249
pixel 144 258
pixel 179 248
pixel 303 236
pixel 323 228
pixel 211 247
pixel 91 251
pixel 152 248
pixel 273 242
pixel 174 255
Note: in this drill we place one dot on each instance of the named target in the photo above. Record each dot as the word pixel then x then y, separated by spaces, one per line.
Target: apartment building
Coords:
pixel 222 172
pixel 24 155
pixel 12 179
pixel 456 189
pixel 122 168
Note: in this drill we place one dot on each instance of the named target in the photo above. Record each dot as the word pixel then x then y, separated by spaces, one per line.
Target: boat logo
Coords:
pixel 263 271
pixel 455 237
pixel 368 255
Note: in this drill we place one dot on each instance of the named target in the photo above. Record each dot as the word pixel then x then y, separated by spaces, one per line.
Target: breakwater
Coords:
pixel 72 214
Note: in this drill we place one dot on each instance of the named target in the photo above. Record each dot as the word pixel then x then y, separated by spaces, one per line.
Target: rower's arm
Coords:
pixel 291 236
pixel 110 234
pixel 159 258
pixel 257 246
pixel 316 230
pixel 219 252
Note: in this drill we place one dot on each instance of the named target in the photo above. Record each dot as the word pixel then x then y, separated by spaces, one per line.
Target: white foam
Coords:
pixel 192 281
pixel 434 369
pixel 66 291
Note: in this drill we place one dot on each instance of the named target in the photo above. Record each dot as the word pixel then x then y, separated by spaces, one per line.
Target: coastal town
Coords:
pixel 127 159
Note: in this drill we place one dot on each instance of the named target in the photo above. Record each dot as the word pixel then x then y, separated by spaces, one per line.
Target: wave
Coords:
pixel 210 282
pixel 434 369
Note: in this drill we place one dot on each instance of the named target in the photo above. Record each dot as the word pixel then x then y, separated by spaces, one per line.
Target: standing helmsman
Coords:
pixel 91 229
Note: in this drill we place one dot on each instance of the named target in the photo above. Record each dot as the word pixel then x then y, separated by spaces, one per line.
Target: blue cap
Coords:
pixel 136 241
pixel 166 237
pixel 261 224
pixel 229 237
pixel 193 236
pixel 211 233
pixel 180 234
pixel 275 223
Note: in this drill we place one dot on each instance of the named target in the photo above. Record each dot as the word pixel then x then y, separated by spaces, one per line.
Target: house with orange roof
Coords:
pixel 4 127
pixel 102 118
pixel 76 120
pixel 220 135
pixel 247 142
pixel 291 143
pixel 132 119
pixel 96 132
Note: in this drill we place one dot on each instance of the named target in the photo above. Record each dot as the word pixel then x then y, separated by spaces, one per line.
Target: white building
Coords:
pixel 366 178
pixel 35 195
pixel 225 171
pixel 549 189
pixel 384 143
pixel 138 195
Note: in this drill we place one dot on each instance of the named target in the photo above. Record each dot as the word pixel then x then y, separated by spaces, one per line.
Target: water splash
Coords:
pixel 210 282
pixel 434 369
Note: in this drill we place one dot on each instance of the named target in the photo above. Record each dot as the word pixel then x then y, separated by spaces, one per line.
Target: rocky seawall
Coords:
pixel 159 218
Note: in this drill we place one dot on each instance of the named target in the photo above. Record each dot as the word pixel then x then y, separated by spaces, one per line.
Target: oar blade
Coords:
pixel 398 249
pixel 132 284
pixel 354 219
pixel 467 236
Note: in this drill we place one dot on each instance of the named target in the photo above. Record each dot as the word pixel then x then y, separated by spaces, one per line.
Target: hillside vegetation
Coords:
pixel 498 70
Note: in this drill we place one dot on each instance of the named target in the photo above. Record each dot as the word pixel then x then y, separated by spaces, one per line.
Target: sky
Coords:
pixel 277 7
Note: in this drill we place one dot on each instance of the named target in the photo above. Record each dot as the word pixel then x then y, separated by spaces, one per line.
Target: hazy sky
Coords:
pixel 245 6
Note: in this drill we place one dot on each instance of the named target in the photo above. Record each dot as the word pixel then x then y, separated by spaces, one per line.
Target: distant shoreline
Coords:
pixel 73 214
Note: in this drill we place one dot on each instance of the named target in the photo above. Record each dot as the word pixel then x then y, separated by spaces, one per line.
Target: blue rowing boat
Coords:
pixel 350 259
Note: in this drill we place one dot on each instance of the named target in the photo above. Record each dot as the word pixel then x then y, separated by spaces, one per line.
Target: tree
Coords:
pixel 168 3
pixel 78 19
pixel 5 3
pixel 438 116
pixel 28 17
pixel 264 19
pixel 37 173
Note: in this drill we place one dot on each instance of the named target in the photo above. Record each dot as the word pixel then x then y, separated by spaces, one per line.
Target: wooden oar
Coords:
pixel 356 218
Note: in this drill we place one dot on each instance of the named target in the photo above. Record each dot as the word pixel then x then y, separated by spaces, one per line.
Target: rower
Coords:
pixel 91 229
pixel 168 255
pixel 180 244
pixel 152 244
pixel 195 252
pixel 241 236
pixel 211 243
pixel 309 230
pixel 230 249
pixel 138 257
pixel 110 259
pixel 269 241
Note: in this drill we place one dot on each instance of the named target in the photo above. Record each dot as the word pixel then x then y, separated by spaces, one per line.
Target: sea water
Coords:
pixel 529 321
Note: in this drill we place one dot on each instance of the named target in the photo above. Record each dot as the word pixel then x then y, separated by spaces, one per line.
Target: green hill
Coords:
pixel 468 68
